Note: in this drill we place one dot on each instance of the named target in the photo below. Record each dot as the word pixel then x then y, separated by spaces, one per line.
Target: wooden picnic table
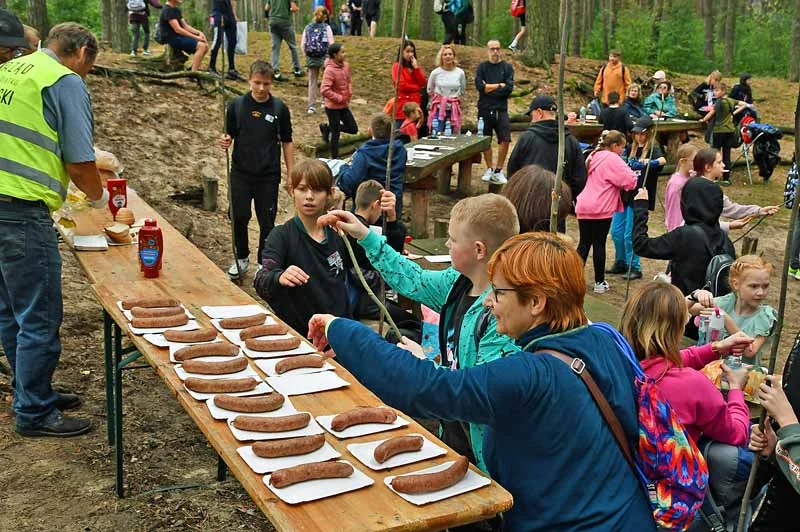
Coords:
pixel 193 279
pixel 422 175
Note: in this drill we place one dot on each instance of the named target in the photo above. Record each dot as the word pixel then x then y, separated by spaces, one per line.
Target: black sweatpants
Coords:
pixel 244 192
pixel 724 143
pixel 355 25
pixel 593 235
pixel 340 120
pixel 227 26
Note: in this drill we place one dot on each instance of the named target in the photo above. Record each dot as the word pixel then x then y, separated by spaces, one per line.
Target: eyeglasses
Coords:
pixel 496 291
pixel 497 49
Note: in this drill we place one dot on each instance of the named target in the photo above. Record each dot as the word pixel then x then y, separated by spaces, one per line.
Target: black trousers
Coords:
pixel 229 29
pixel 454 32
pixel 355 25
pixel 244 192
pixel 340 120
pixel 724 143
pixel 593 235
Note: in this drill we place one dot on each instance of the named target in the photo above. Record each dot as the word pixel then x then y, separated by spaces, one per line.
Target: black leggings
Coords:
pixel 228 26
pixel 339 120
pixel 244 192
pixel 724 143
pixel 593 235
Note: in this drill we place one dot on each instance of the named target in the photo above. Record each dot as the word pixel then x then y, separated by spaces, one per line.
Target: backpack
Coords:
pixel 790 190
pixel 602 71
pixel 668 462
pixel 717 272
pixel 316 43
pixel 158 34
pixel 136 6
pixel 459 7
pixel 517 8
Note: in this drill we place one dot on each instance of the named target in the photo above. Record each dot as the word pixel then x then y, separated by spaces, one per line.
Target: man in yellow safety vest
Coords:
pixel 46 131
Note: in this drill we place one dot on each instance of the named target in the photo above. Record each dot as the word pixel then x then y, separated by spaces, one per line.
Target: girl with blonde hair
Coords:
pixel 316 35
pixel 447 84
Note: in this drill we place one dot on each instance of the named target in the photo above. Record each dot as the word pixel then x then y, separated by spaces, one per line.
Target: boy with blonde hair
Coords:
pixel 467 331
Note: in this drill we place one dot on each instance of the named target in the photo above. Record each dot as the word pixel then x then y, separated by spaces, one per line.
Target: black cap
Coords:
pixel 543 101
pixel 642 124
pixel 12 34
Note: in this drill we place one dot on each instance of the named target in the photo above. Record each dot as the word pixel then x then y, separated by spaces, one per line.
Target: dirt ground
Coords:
pixel 165 135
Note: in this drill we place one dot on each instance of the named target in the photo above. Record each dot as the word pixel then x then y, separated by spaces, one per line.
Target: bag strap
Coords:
pixel 579 367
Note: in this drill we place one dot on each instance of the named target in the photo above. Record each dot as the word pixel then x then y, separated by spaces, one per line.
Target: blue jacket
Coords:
pixel 369 162
pixel 546 443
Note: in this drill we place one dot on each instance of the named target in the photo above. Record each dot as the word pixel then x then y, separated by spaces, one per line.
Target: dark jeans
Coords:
pixel 31 307
pixel 724 142
pixel 454 32
pixel 339 120
pixel 795 251
pixel 144 25
pixel 355 25
pixel 593 234
pixel 228 26
pixel 244 192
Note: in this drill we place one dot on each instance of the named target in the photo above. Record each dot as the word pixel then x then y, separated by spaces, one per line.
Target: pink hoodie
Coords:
pixel 673 216
pixel 608 176
pixel 697 402
pixel 337 87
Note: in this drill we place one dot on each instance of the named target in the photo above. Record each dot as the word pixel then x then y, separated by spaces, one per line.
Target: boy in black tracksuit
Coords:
pixel 494 80
pixel 258 124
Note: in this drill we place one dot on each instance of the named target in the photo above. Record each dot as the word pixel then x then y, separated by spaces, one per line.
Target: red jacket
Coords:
pixel 337 86
pixel 412 81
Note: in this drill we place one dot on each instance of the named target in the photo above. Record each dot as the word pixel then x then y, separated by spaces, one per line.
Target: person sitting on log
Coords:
pixel 180 35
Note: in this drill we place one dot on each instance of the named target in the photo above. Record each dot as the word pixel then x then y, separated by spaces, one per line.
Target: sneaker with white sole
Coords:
pixel 487 175
pixel 312 109
pixel 513 47
pixel 498 178
pixel 601 288
pixel 244 264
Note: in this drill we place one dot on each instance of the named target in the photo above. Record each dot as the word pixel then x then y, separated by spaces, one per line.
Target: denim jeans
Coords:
pixel 622 235
pixel 145 27
pixel 228 27
pixel 283 32
pixel 31 308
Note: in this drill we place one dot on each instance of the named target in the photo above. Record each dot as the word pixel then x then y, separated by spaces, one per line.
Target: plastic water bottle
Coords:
pixel 434 128
pixel 448 129
pixel 582 113
pixel 480 126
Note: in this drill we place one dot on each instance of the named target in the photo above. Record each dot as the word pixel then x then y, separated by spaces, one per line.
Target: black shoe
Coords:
pixel 632 275
pixel 299 73
pixel 234 76
pixel 61 427
pixel 67 401
pixel 619 267
pixel 277 77
pixel 326 132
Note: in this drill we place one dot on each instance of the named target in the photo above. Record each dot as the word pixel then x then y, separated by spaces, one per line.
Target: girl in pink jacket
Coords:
pixel 337 90
pixel 608 176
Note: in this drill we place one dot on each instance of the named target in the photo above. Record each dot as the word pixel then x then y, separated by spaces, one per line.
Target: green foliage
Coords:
pixel 83 11
pixel 681 42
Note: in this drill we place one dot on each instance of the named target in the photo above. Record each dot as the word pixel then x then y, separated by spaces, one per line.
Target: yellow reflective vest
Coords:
pixel 31 167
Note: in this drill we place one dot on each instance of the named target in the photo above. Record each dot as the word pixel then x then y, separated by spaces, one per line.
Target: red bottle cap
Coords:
pixel 150 222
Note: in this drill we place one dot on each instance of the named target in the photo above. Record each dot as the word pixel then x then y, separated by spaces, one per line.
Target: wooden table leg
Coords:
pixel 673 143
pixel 465 177
pixel 443 181
pixel 419 213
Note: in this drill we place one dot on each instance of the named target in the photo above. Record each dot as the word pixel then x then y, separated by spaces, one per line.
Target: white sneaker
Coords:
pixel 601 288
pixel 244 264
pixel 312 110
pixel 133 54
pixel 487 175
pixel 498 178
pixel 146 52
pixel 513 47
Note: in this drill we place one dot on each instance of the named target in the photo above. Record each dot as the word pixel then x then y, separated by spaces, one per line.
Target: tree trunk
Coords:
pixel 120 38
pixel 658 15
pixel 577 27
pixel 730 34
pixel 794 63
pixel 588 20
pixel 37 16
pixel 612 20
pixel 477 26
pixel 708 21
pixel 105 16
pixel 426 16
pixel 3 4
pixel 604 20
pixel 397 18
pixel 543 42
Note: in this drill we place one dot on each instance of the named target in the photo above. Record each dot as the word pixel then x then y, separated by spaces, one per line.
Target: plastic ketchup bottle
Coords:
pixel 117 195
pixel 151 248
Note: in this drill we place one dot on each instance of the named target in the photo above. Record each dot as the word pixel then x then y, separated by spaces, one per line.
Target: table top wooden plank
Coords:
pixel 195 281
pixel 464 146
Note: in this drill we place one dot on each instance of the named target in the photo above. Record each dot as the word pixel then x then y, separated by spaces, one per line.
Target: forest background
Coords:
pixel 690 36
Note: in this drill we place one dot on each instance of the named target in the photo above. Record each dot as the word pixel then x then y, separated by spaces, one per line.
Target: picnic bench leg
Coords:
pixel 673 143
pixel 443 181
pixel 222 469
pixel 109 368
pixel 118 457
pixel 465 177
pixel 419 213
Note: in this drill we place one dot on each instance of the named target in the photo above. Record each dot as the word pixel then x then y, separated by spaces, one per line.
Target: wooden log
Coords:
pixel 443 181
pixel 419 213
pixel 210 189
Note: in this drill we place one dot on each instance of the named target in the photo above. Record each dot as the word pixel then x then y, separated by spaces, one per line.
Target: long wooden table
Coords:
pixel 423 175
pixel 190 277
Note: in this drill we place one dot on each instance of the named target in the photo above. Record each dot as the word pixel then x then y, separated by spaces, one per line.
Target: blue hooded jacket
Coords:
pixel 369 162
pixel 546 441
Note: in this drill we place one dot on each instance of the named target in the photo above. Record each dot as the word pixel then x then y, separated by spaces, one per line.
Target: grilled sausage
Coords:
pixel 263 330
pixel 292 475
pixel 302 361
pixel 149 302
pixel 288 446
pixel 327 219
pixel 250 404
pixel 157 323
pixel 272 424
pixel 196 384
pixel 217 349
pixel 224 367
pixel 397 445
pixel 277 344
pixel 243 321
pixel 428 482
pixel 143 312
pixel 358 416
pixel 198 335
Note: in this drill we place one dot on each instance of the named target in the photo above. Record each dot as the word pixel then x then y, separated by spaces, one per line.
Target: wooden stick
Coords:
pixel 556 193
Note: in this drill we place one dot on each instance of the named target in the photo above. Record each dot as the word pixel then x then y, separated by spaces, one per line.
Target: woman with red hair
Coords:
pixel 546 441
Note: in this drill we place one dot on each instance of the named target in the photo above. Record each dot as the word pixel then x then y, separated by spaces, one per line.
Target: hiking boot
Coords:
pixel 234 76
pixel 60 426
pixel 601 287
pixel 618 268
pixel 632 275
pixel 498 178
pixel 244 264
pixel 487 175
pixel 67 401
pixel 326 132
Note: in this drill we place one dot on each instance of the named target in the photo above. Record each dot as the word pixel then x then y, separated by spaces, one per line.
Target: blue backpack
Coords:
pixel 316 43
